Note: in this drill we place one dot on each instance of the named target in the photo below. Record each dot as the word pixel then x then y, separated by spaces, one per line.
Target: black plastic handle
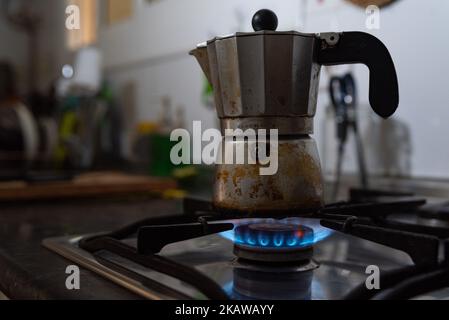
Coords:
pixel 360 47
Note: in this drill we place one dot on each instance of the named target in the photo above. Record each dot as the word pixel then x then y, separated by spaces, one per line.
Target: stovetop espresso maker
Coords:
pixel 269 80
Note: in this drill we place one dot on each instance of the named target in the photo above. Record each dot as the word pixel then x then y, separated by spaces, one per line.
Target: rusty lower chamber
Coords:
pixel 297 184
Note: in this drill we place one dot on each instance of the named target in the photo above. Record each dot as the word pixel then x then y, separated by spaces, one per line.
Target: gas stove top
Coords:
pixel 377 245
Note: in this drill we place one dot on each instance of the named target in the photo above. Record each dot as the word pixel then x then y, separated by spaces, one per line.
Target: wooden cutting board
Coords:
pixel 98 184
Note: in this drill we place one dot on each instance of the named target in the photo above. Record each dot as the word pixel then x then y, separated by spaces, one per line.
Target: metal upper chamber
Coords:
pixel 276 74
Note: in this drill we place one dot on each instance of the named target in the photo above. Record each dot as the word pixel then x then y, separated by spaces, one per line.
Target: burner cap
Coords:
pixel 273 242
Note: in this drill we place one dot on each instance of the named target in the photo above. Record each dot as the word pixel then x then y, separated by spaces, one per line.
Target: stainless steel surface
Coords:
pixel 273 283
pixel 272 255
pixel 68 248
pixel 342 263
pixel 263 74
pixel 284 125
pixel 331 38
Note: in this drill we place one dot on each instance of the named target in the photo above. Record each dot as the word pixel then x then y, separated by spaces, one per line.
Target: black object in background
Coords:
pixel 344 100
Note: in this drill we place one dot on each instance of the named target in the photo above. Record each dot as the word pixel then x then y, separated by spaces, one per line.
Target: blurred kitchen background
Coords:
pixel 104 98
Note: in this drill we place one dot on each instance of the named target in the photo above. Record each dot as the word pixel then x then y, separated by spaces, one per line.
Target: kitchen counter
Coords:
pixel 30 271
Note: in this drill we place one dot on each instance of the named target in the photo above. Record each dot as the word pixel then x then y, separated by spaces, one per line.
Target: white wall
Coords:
pixel 414 32
pixel 173 27
pixel 13 49
pixel 52 49
pixel 52 41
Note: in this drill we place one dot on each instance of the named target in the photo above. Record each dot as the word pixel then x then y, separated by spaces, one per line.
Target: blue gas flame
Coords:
pixel 278 240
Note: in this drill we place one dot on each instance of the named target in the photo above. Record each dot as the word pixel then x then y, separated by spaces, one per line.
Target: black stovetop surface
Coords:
pixel 191 255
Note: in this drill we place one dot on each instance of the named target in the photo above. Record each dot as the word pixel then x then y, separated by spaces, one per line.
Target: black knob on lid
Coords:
pixel 265 20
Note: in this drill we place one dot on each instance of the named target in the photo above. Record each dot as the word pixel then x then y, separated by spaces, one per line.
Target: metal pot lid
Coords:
pixel 264 22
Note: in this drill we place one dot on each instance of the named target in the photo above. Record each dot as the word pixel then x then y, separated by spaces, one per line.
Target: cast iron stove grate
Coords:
pixel 361 216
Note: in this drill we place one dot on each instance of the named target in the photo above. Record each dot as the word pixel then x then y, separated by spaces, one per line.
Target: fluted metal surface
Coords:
pixel 264 75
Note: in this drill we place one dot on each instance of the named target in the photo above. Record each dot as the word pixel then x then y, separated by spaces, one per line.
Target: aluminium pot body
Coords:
pixel 296 185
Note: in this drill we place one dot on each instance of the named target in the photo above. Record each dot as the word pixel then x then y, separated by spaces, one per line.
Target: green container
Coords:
pixel 161 164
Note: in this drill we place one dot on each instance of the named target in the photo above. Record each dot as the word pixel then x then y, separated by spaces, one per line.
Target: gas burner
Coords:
pixel 273 242
pixel 276 281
